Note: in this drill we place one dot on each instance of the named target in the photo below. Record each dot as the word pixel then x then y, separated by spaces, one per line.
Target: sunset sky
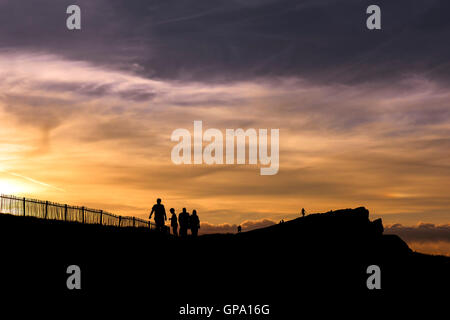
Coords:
pixel 364 116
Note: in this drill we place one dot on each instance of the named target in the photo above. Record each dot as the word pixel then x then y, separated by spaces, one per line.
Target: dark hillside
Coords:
pixel 322 255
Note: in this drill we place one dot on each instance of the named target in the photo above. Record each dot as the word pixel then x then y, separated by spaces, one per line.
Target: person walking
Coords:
pixel 194 223
pixel 183 220
pixel 174 222
pixel 160 215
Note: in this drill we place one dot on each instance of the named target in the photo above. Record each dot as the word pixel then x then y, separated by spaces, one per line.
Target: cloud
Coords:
pixel 431 247
pixel 364 116
pixel 424 237
pixel 340 145
pixel 246 225
pixel 325 41
pixel 423 232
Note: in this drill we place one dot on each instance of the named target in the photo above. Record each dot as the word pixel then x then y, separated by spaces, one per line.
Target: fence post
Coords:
pixel 46 209
pixel 24 206
pixel 82 214
pixel 65 212
pixel 101 216
pixel 120 217
pixel 134 221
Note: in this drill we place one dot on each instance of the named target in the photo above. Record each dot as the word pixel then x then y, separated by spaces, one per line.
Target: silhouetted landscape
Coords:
pixel 319 255
pixel 161 156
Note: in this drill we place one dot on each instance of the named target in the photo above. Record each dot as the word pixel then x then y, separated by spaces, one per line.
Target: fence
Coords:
pixel 55 211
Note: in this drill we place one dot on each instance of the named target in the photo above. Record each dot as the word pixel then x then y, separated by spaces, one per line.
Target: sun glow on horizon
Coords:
pixel 10 187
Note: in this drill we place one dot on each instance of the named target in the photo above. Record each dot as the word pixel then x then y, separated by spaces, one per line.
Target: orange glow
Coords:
pixel 112 151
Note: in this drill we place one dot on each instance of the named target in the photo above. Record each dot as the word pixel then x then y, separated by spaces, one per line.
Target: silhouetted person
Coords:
pixel 160 215
pixel 239 229
pixel 303 212
pixel 183 220
pixel 174 222
pixel 194 223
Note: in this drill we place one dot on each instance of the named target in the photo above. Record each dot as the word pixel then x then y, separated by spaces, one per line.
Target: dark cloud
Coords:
pixel 423 232
pixel 136 93
pixel 322 40
pixel 88 89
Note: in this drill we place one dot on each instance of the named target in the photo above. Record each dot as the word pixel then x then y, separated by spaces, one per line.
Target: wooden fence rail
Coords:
pixel 56 211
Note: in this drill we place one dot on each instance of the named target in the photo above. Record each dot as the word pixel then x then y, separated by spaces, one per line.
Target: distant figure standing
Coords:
pixel 194 223
pixel 160 215
pixel 303 212
pixel 183 220
pixel 239 229
pixel 174 222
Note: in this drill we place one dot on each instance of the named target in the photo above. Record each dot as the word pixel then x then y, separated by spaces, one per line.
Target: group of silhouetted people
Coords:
pixel 184 220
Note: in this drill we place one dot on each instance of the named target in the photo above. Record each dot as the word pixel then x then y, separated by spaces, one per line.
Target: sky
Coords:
pixel 364 116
